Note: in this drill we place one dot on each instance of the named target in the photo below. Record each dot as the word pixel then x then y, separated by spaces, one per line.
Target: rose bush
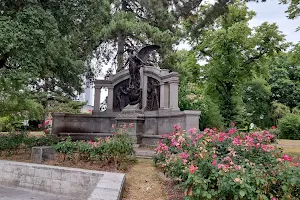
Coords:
pixel 228 165
pixel 117 149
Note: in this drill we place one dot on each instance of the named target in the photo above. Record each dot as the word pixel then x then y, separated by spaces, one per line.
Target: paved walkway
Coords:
pixel 144 152
pixel 19 194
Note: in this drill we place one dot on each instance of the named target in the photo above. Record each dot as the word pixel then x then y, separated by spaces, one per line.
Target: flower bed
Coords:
pixel 15 143
pixel 228 165
pixel 116 150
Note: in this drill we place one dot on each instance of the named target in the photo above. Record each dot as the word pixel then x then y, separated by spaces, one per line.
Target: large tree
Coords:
pixel 234 53
pixel 50 40
pixel 140 22
pixel 44 45
pixel 285 78
pixel 192 90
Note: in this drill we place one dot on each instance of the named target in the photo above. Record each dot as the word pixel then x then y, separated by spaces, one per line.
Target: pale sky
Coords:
pixel 273 12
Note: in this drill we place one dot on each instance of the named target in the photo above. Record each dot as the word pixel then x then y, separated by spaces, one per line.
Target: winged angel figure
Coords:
pixel 135 62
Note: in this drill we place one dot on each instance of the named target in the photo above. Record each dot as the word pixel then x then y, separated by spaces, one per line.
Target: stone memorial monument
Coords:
pixel 143 95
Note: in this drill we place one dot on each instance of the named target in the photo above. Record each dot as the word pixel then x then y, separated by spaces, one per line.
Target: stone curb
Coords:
pixel 110 187
pixel 97 185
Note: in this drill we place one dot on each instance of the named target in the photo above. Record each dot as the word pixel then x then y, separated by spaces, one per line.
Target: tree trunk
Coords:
pixel 121 41
pixel 121 46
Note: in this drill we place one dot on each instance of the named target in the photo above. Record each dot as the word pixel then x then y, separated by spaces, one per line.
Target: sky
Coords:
pixel 273 12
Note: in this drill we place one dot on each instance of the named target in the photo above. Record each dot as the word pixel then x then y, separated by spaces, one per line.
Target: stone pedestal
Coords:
pixel 42 154
pixel 131 114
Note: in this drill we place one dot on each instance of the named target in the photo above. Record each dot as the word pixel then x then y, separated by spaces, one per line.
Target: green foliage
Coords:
pixel 284 78
pixel 117 149
pixel 234 53
pixel 293 9
pixel 228 165
pixel 65 147
pixel 64 105
pixel 191 93
pixel 279 111
pixel 15 109
pixel 187 67
pixel 191 97
pixel 256 99
pixel 296 111
pixel 289 127
pixel 15 141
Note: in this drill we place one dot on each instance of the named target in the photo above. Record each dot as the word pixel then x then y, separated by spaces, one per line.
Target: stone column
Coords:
pixel 110 98
pixel 164 96
pixel 97 99
pixel 174 95
pixel 144 85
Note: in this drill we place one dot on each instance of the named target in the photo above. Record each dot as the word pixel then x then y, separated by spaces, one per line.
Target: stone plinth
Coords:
pixel 155 115
pixel 131 114
pixel 42 154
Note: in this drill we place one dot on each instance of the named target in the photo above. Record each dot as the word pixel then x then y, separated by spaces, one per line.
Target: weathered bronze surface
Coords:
pixel 130 91
pixel 153 97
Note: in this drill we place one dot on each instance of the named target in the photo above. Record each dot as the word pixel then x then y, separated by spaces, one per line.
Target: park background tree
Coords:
pixel 234 53
pixel 44 46
pixel 192 90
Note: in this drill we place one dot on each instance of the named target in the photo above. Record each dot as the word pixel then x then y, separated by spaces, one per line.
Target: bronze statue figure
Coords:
pixel 153 94
pixel 135 61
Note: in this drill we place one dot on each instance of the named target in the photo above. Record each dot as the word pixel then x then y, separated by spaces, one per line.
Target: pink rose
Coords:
pixel 286 157
pixel 131 125
pixel 193 131
pixel 193 169
pixel 214 163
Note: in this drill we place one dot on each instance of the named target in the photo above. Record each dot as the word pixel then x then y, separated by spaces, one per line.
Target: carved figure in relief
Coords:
pixel 135 61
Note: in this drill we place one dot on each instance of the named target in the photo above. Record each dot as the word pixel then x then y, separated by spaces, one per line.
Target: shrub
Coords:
pixel 289 127
pixel 66 147
pixel 23 141
pixel 114 149
pixel 191 97
pixel 228 165
pixel 11 142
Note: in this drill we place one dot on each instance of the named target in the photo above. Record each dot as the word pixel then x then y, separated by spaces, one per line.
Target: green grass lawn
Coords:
pixel 290 147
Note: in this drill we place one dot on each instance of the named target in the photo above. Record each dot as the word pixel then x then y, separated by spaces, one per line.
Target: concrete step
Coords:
pixel 143 153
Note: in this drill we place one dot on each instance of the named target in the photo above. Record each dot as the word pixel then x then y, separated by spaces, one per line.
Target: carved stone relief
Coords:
pixel 153 94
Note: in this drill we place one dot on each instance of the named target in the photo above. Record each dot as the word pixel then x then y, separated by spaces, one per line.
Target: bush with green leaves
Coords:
pixel 16 141
pixel 116 149
pixel 191 97
pixel 289 127
pixel 228 165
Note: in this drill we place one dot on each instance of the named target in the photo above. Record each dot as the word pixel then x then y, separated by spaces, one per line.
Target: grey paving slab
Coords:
pixel 7 193
pixel 143 152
